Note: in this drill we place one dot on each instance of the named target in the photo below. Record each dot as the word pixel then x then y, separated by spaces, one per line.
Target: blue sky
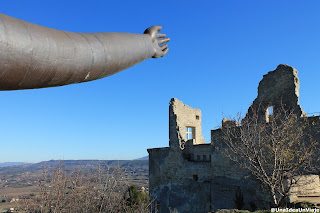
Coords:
pixel 219 51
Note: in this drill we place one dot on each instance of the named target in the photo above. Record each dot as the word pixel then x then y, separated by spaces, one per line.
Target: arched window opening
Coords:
pixel 269 114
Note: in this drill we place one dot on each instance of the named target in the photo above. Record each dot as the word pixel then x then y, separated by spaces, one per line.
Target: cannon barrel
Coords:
pixel 33 56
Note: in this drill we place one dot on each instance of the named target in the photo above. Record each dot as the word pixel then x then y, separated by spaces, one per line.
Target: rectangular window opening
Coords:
pixel 195 177
pixel 189 133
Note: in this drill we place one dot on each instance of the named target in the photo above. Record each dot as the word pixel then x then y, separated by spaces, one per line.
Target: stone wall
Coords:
pixel 307 186
pixel 180 117
pixel 279 89
pixel 191 176
pixel 179 183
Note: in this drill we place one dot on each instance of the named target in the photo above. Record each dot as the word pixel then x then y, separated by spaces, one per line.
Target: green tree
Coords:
pixel 136 198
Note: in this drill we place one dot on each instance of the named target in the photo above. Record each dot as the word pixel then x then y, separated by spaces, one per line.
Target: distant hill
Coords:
pixel 26 175
pixel 143 158
pixel 6 164
pixel 91 163
pixel 72 165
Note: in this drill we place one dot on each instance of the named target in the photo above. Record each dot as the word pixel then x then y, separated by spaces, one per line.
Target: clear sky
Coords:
pixel 219 51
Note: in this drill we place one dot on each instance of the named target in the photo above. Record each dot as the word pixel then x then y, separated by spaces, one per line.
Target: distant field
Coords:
pixel 13 192
pixel 19 182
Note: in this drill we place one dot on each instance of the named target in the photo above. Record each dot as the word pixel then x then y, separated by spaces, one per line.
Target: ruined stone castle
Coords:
pixel 192 176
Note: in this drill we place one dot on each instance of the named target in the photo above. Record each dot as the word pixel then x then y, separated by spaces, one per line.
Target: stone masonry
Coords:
pixel 192 176
pixel 180 117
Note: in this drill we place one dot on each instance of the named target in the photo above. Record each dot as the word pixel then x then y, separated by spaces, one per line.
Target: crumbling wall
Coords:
pixel 191 176
pixel 180 117
pixel 307 186
pixel 228 177
pixel 180 175
pixel 278 89
pixel 180 183
pixel 156 162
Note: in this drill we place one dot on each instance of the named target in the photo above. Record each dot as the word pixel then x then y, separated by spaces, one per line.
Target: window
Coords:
pixel 195 177
pixel 204 158
pixel 269 113
pixel 197 117
pixel 270 110
pixel 198 158
pixel 189 133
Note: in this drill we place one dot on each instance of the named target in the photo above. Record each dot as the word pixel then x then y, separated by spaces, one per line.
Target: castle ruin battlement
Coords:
pixel 192 176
